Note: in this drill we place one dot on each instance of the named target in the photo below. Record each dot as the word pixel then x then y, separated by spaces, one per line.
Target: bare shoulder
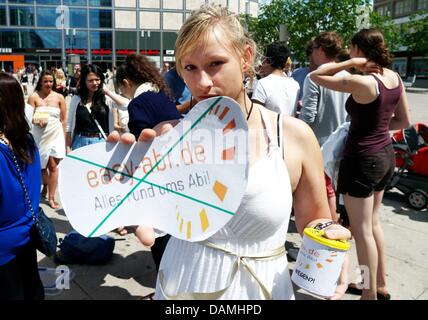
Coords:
pixel 33 98
pixel 295 131
pixel 296 127
pixel 59 96
pixel 362 80
pixel 300 146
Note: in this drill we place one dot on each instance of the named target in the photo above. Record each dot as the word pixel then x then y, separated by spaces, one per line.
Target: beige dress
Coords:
pixel 50 139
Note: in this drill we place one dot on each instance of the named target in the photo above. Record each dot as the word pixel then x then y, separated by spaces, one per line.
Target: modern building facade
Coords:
pixel 59 32
pixel 405 62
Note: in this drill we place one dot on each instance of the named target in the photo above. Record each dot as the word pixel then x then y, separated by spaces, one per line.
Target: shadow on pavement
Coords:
pixel 109 281
pixel 398 202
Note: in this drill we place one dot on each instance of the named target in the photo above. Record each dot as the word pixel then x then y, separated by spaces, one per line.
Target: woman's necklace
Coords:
pixel 45 99
pixel 251 108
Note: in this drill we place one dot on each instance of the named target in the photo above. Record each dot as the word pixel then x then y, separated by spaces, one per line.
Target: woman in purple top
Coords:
pixel 377 104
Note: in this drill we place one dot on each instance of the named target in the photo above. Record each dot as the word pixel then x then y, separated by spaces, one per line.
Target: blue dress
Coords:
pixel 15 215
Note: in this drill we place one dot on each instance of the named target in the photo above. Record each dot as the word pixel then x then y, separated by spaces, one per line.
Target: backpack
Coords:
pixel 77 249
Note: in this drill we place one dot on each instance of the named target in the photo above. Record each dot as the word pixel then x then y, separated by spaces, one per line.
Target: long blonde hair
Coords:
pixel 202 23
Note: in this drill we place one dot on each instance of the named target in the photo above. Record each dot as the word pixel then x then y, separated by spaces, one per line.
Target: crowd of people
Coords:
pixel 295 112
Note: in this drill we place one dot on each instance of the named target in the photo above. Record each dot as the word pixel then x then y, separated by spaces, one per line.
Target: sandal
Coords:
pixel 148 297
pixel 354 289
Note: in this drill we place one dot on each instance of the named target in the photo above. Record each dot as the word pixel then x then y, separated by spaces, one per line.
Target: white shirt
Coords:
pixel 277 93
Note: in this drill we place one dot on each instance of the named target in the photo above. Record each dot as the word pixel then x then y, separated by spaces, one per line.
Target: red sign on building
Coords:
pixel 125 52
pixel 101 52
pixel 76 51
pixel 150 52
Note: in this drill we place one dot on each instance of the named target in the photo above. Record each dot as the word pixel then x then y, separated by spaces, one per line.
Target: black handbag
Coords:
pixel 42 233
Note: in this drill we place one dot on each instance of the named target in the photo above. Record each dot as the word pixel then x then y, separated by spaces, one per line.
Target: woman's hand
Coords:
pixel 366 66
pixel 342 284
pixel 42 123
pixel 338 232
pixel 145 234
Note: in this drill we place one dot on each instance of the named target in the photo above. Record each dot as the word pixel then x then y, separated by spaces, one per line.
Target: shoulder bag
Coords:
pixel 42 233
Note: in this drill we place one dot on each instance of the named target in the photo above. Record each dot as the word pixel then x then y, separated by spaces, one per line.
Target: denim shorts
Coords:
pixel 361 176
pixel 81 141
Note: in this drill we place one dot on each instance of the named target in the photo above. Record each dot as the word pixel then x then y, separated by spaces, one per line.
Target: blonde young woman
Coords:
pixel 376 105
pixel 61 82
pixel 213 54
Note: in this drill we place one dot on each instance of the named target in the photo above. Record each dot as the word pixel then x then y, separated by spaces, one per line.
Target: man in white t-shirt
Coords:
pixel 276 91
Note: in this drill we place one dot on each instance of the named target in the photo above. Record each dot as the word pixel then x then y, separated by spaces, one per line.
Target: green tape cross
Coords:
pixel 151 170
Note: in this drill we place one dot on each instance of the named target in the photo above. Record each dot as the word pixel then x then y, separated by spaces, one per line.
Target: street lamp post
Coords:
pixel 71 38
pixel 283 33
pixel 145 39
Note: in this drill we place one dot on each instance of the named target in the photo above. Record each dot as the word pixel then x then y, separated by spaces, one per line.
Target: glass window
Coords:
pixel 75 2
pixel 100 18
pixel 30 39
pixel 21 16
pixel 76 40
pixel 52 2
pixel 173 4
pixel 100 3
pixel 101 40
pixel 149 20
pixel 49 38
pixel 195 4
pixel 125 3
pixel 172 20
pixel 169 40
pixel 126 40
pixel 125 19
pixel 422 4
pixel 149 42
pixel 46 16
pixel 2 1
pixel 403 7
pixel 2 16
pixel 149 4
pixel 22 1
pixel 78 18
pixel 382 10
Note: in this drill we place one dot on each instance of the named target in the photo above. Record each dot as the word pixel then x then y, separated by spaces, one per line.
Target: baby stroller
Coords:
pixel 411 157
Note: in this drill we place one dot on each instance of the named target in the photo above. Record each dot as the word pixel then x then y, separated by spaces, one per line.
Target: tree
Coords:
pixel 390 30
pixel 305 19
pixel 415 33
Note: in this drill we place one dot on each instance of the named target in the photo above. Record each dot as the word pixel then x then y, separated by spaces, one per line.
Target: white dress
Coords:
pixel 259 226
pixel 50 140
